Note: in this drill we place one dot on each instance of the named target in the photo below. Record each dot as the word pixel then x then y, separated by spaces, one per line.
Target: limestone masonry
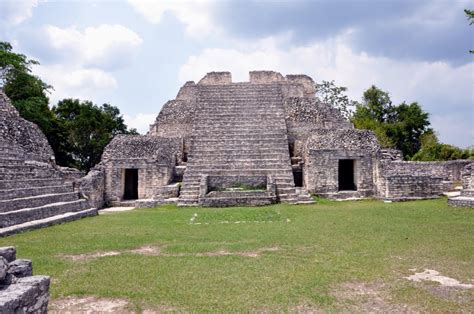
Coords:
pixel 268 140
pixel 20 291
pixel 34 191
pixel 218 143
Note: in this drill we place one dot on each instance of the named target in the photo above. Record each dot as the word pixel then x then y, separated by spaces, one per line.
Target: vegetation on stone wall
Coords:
pixel 329 93
pixel 77 131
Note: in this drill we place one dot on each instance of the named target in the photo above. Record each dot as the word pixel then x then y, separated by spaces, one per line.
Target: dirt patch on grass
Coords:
pixel 157 251
pixel 89 305
pixel 368 298
pixel 86 305
pixel 443 287
pixel 89 256
pixel 433 275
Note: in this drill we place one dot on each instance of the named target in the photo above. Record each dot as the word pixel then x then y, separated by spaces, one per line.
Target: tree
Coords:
pixel 470 18
pixel 89 128
pixel 335 96
pixel 432 149
pixel 395 126
pixel 28 94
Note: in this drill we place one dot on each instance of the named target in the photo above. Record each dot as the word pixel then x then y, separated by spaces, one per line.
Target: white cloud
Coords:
pixel 104 46
pixel 434 85
pixel 140 121
pixel 87 84
pixel 195 15
pixel 15 12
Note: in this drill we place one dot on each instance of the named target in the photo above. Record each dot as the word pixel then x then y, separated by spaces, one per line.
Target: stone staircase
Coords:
pixel 33 195
pixel 240 130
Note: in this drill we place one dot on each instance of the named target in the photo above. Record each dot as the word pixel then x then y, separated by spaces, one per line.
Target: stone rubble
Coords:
pixel 20 291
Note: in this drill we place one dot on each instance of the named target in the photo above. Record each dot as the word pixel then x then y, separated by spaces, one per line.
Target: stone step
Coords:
pixel 49 221
pixel 240 152
pixel 32 191
pixel 27 175
pixel 20 167
pixel 225 201
pixel 230 160
pixel 223 157
pixel 217 147
pixel 241 172
pixel 211 138
pixel 29 183
pixel 273 166
pixel 36 201
pixel 34 213
pixel 198 132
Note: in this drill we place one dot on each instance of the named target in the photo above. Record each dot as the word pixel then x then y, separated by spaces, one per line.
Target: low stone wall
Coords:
pixel 20 291
pixel 410 180
pixel 407 187
pixel 224 182
pixel 92 186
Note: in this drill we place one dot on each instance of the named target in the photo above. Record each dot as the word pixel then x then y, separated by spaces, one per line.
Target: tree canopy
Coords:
pixel 398 126
pixel 77 131
pixel 334 95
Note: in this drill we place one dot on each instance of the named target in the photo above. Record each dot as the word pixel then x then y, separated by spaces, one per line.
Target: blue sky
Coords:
pixel 136 54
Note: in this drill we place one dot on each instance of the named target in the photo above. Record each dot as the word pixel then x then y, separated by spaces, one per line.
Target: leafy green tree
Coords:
pixel 28 94
pixel 470 18
pixel 335 96
pixel 89 129
pixel 395 126
pixel 432 150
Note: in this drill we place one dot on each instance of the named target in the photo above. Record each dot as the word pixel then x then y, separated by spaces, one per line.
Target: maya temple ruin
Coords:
pixel 218 143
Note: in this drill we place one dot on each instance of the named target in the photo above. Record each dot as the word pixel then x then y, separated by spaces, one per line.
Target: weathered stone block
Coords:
pixel 21 268
pixel 3 269
pixel 27 295
pixel 8 252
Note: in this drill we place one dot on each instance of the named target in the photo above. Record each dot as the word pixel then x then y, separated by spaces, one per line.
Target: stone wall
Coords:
pixel 216 78
pixel 265 77
pixel 322 153
pixel 154 157
pixel 307 83
pixel 306 116
pixel 23 133
pixel 177 116
pixel 92 187
pixel 467 176
pixel 417 179
pixel 20 291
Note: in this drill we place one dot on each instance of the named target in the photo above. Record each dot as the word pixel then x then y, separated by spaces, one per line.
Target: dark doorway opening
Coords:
pixel 298 177
pixel 346 175
pixel 131 184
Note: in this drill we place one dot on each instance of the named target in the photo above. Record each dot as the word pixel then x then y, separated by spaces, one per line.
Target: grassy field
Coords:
pixel 330 256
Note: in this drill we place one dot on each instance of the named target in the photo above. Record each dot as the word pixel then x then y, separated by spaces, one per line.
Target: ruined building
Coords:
pixel 34 191
pixel 268 140
pixel 219 143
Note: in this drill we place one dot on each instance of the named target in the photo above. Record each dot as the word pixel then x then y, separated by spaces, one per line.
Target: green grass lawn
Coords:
pixel 277 258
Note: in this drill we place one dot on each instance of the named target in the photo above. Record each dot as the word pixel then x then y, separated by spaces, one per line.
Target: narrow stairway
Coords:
pixel 34 195
pixel 240 129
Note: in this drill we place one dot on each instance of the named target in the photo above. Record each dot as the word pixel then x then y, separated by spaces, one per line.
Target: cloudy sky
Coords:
pixel 136 54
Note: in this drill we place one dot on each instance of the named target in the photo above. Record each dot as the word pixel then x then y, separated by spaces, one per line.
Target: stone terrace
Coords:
pixel 240 131
pixel 33 193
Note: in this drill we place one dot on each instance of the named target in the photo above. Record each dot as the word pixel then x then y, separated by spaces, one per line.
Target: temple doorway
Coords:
pixel 131 184
pixel 346 175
